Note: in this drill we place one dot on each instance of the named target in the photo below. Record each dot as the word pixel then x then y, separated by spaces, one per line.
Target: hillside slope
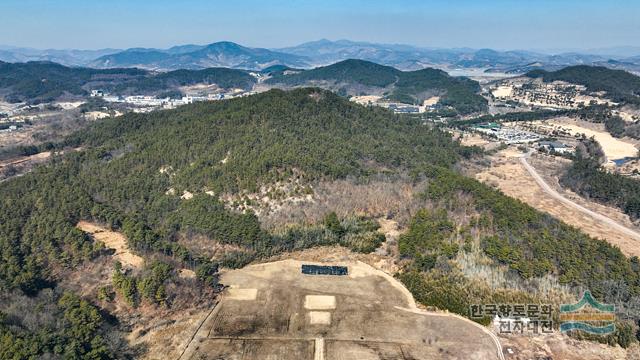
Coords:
pixel 45 81
pixel 620 85
pixel 352 77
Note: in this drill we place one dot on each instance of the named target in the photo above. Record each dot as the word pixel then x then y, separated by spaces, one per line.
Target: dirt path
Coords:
pixel 509 174
pixel 16 161
pixel 623 229
pixel 113 240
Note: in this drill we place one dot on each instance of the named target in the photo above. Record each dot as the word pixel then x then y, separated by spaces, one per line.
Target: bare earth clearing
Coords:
pixel 40 156
pixel 613 148
pixel 113 240
pixel 365 315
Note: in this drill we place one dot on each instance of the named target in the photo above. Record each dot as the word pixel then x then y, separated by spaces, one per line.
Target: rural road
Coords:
pixel 553 193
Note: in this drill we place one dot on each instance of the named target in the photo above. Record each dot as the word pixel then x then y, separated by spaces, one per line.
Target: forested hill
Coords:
pixel 122 178
pixel 349 71
pixel 352 76
pixel 619 84
pixel 119 178
pixel 133 169
pixel 46 81
pixel 223 77
pixel 313 131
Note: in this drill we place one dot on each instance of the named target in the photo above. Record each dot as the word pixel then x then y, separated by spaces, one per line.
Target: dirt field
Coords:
pixel 365 315
pixel 365 99
pixel 431 101
pixel 473 140
pixel 510 176
pixel 113 240
pixel 502 91
pixel 613 148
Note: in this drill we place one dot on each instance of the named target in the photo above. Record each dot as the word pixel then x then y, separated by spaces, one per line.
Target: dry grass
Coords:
pixel 113 240
pixel 507 174
pixel 380 197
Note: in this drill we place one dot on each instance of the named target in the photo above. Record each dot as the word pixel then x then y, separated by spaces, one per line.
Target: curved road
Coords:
pixel 553 193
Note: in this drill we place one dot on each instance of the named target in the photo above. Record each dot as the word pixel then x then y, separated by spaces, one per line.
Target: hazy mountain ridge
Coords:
pixel 407 57
pixel 69 57
pixel 220 54
pixel 325 52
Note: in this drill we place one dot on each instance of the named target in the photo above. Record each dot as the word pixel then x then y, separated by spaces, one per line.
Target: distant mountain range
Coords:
pixel 324 52
pixel 220 54
pixel 65 57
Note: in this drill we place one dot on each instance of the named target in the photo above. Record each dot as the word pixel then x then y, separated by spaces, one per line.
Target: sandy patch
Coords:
pixel 431 101
pixel 113 240
pixel 319 302
pixel 242 294
pixel 613 148
pixel 320 318
pixel 503 91
pixel 473 140
pixel 366 99
pixel 36 157
pixel 70 105
pixel 96 115
pixel 186 274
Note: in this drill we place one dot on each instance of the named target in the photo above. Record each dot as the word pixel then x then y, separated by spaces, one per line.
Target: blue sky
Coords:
pixel 500 24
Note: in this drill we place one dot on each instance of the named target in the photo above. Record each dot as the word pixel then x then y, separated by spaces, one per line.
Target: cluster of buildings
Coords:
pixel 515 136
pixel 555 146
pixel 152 102
pixel 401 108
pixel 431 104
pixel 507 135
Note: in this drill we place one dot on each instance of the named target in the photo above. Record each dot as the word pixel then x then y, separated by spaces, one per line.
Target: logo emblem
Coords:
pixel 596 319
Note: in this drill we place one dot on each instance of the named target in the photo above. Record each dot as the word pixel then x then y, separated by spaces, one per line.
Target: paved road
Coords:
pixel 549 190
